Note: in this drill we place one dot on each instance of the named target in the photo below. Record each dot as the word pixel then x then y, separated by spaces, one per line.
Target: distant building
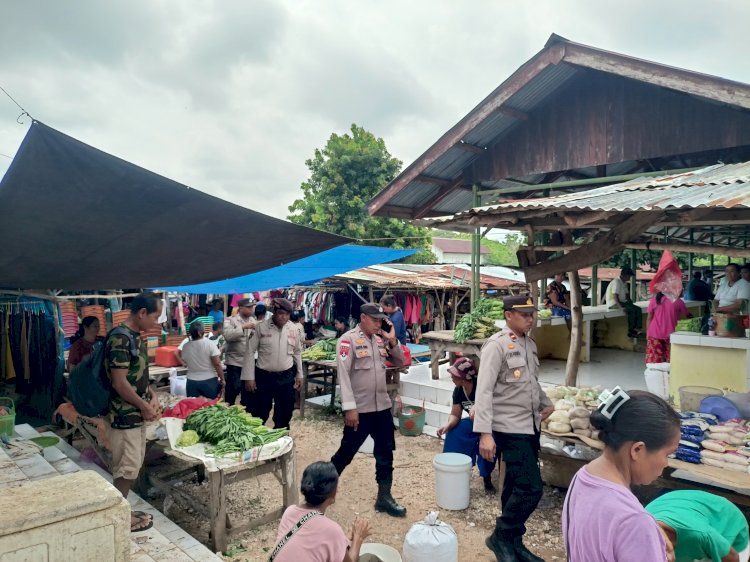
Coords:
pixel 450 250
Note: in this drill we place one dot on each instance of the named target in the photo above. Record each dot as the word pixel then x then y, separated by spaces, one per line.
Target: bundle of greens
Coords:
pixel 480 322
pixel 324 350
pixel 230 429
pixel 689 325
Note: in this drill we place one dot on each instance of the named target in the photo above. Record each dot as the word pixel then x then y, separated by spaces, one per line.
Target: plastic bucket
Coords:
pixel 452 478
pixel 383 552
pixel 691 396
pixel 410 419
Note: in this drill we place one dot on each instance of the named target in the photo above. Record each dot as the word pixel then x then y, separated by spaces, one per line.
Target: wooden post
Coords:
pixel 595 285
pixel 372 295
pixel 217 510
pixel 290 494
pixel 576 330
pixel 226 306
pixel 634 285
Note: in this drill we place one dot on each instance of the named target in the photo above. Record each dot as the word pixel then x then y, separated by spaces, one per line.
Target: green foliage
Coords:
pixel 501 253
pixel 344 175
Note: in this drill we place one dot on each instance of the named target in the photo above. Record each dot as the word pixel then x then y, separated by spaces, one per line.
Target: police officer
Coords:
pixel 360 360
pixel 277 373
pixel 237 333
pixel 510 406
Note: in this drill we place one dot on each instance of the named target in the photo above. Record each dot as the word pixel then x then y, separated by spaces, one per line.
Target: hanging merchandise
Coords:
pixel 68 318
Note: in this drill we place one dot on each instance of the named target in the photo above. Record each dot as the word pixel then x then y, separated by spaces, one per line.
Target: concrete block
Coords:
pixel 43 520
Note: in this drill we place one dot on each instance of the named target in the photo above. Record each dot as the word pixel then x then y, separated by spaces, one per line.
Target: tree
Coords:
pixel 344 176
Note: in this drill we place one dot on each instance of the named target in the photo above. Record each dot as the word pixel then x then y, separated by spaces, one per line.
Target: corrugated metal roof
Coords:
pixel 720 186
pixel 425 277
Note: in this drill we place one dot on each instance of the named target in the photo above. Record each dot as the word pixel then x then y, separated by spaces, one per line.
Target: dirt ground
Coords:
pixel 317 438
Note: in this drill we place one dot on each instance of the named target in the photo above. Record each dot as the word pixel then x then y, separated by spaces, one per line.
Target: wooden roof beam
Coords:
pixel 433 180
pixel 442 193
pixel 514 113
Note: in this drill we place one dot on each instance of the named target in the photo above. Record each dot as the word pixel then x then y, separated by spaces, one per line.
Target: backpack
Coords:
pixel 89 387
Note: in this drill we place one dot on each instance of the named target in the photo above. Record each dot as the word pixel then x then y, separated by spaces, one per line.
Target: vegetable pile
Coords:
pixel 689 325
pixel 324 350
pixel 229 429
pixel 545 313
pixel 573 407
pixel 480 322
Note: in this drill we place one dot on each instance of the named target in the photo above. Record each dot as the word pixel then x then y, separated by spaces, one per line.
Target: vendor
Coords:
pixel 217 311
pixel 297 318
pixel 340 325
pixel 603 521
pixel 459 433
pixel 734 293
pixel 702 526
pixel 557 298
pixel 617 297
pixel 83 346
pixel 305 533
pixel 396 316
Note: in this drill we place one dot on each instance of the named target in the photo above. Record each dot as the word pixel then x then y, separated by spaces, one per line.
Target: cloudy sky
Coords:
pixel 231 97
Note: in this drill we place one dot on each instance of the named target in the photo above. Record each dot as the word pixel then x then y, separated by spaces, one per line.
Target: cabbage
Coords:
pixel 188 438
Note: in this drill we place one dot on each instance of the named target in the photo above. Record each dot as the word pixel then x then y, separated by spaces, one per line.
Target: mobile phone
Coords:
pixel 385 325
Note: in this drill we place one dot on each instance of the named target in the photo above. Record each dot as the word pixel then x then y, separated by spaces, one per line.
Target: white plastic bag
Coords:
pixel 431 540
pixel 657 379
pixel 177 383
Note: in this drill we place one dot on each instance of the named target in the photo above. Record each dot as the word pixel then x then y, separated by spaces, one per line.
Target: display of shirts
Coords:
pixel 707 525
pixel 616 287
pixel 727 295
pixel 608 524
pixel 664 317
pixel 197 356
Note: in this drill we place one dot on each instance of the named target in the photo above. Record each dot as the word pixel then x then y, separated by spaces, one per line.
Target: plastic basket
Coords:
pixel 410 419
pixel 8 422
pixel 691 396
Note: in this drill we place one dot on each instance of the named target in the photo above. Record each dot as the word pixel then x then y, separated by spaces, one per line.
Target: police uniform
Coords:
pixel 279 363
pixel 237 339
pixel 509 402
pixel 360 363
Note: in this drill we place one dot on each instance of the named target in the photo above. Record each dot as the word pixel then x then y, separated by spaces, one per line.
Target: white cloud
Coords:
pixel 231 97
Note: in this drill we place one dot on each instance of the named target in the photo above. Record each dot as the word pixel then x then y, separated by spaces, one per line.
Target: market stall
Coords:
pixel 713 454
pixel 721 362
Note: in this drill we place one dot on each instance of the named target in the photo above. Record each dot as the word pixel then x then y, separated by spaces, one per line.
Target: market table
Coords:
pixel 221 472
pixel 679 475
pixel 328 368
pixel 441 341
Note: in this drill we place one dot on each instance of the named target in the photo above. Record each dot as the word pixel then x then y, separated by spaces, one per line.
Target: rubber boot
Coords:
pixel 386 503
pixel 488 486
pixel 502 548
pixel 523 553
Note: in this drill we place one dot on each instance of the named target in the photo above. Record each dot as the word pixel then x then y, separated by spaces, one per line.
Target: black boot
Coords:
pixel 386 503
pixel 488 486
pixel 523 553
pixel 502 548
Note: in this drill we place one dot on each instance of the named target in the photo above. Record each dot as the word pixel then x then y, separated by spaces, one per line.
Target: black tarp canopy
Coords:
pixel 75 218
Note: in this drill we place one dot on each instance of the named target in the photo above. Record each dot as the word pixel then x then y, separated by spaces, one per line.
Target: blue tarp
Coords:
pixel 303 271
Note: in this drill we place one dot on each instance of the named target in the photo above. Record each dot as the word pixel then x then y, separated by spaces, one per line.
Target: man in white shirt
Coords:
pixel 618 297
pixel 734 294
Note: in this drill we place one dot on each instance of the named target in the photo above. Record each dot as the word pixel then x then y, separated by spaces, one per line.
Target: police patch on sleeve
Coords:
pixel 344 349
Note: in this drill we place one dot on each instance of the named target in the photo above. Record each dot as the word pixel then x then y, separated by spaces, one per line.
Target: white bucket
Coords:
pixel 383 551
pixel 657 381
pixel 368 446
pixel 452 478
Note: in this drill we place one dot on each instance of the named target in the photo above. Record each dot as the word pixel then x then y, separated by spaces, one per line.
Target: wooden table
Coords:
pixel 223 527
pixel 392 374
pixel 441 341
pixel 717 480
pixel 157 374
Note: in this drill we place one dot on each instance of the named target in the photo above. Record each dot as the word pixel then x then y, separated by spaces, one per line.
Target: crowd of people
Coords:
pixel 496 415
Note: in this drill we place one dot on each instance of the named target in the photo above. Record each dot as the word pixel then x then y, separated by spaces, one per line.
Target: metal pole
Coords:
pixel 594 285
pixel 475 252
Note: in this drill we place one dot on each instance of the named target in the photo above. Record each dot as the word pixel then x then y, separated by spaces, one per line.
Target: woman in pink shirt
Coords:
pixel 602 519
pixel 305 533
pixel 663 314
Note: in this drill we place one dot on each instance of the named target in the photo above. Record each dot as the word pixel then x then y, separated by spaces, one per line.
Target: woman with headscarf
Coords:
pixel 459 432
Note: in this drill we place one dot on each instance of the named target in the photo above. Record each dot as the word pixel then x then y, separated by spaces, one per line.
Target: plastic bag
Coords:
pixel 431 540
pixel 177 383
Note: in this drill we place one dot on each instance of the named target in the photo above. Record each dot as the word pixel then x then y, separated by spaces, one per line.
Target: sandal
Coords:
pixel 141 518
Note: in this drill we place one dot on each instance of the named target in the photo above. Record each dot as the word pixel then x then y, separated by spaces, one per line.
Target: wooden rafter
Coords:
pixel 442 193
pixel 468 147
